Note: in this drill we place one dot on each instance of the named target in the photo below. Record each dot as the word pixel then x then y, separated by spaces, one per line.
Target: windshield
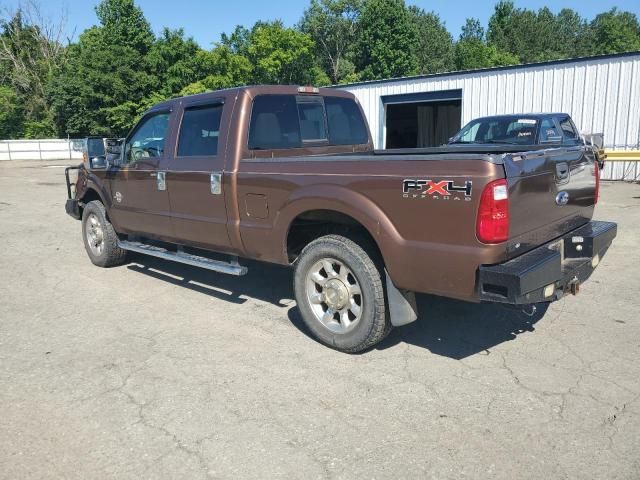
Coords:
pixel 508 130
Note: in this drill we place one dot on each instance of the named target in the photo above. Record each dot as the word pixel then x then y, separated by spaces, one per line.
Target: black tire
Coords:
pixel 110 255
pixel 373 325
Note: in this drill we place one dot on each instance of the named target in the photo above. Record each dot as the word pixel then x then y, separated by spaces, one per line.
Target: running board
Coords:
pixel 230 268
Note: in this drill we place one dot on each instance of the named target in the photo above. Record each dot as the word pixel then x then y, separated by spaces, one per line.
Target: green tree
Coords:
pixel 30 51
pixel 125 24
pixel 219 68
pixel 615 32
pixel 174 60
pixel 282 55
pixel 573 34
pixel 473 52
pixel 435 51
pixel 332 25
pixel 106 77
pixel 11 115
pixel 387 40
pixel 540 36
pixel 238 40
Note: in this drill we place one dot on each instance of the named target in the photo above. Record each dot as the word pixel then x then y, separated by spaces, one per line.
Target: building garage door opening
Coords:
pixel 423 119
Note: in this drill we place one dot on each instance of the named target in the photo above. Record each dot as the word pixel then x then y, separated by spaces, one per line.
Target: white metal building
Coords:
pixel 602 94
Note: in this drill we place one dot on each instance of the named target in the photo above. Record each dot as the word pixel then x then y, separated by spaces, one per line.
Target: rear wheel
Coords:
pixel 340 294
pixel 100 238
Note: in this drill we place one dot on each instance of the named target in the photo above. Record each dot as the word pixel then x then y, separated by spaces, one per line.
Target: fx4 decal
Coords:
pixel 443 189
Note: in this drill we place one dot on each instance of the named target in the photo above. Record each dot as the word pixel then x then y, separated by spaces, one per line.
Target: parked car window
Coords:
pixel 549 132
pixel 567 129
pixel 514 130
pixel 200 131
pixel 274 123
pixel 312 123
pixel 346 125
pixel 148 139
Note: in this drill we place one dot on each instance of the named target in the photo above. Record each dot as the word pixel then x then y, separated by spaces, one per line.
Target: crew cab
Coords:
pixel 288 175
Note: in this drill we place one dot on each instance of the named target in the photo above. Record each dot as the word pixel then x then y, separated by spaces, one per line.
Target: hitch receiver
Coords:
pixel 573 286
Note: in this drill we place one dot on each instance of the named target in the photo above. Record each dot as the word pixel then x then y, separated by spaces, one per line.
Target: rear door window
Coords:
pixel 568 131
pixel 549 131
pixel 200 131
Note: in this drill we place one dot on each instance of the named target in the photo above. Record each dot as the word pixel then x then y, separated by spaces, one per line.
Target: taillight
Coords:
pixel 493 213
pixel 597 194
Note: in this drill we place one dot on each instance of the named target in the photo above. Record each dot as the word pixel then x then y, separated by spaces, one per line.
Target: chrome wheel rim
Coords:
pixel 334 295
pixel 94 234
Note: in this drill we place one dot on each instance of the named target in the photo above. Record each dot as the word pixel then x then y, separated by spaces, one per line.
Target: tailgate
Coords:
pixel 551 192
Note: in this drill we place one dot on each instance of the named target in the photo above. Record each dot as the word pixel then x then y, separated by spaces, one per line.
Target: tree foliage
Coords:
pixel 101 83
pixel 435 48
pixel 387 40
pixel 472 50
pixel 30 50
pixel 332 25
pixel 615 31
pixel 282 55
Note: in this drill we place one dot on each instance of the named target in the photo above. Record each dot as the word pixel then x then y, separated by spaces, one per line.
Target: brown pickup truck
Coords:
pixel 288 175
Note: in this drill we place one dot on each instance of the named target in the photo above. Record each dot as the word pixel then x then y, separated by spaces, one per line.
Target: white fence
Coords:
pixel 43 149
pixel 60 149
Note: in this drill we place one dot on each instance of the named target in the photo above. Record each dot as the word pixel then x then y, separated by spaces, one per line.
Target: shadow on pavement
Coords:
pixel 446 327
pixel 267 282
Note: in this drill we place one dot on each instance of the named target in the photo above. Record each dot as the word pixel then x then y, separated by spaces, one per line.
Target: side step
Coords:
pixel 231 268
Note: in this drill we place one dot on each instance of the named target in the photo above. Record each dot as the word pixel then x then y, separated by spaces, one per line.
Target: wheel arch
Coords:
pixel 93 192
pixel 328 208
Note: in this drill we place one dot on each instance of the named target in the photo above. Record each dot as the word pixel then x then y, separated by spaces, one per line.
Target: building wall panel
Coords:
pixel 601 94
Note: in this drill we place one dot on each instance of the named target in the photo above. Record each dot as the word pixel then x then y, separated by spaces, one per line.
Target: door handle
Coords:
pixel 161 181
pixel 216 183
pixel 562 171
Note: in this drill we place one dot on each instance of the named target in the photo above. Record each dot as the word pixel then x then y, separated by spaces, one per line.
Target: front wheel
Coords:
pixel 340 294
pixel 100 238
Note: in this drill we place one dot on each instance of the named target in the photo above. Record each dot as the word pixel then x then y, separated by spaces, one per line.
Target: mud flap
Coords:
pixel 402 304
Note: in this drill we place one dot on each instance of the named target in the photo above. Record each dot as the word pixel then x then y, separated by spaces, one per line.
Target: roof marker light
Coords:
pixel 308 89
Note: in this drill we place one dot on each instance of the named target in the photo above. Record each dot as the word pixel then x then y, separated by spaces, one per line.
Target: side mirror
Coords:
pixel 114 149
pixel 98 163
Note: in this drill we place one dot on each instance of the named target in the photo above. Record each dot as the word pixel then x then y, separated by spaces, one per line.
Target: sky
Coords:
pixel 205 20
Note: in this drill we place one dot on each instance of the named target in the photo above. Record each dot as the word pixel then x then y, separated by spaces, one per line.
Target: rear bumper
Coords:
pixel 548 272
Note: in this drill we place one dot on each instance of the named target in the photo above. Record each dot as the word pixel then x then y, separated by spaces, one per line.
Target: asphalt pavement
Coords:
pixel 158 370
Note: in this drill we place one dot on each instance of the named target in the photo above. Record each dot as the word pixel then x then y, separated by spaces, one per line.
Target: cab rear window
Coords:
pixel 294 121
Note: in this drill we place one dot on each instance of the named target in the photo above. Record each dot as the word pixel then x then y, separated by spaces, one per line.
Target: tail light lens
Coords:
pixel 597 194
pixel 493 213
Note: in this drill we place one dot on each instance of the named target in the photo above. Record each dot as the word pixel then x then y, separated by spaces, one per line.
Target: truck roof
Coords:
pixel 253 90
pixel 536 116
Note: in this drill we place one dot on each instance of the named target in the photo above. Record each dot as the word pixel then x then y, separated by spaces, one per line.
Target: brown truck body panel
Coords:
pixel 428 242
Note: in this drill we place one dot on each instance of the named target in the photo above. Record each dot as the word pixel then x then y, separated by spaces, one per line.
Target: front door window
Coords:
pixel 148 140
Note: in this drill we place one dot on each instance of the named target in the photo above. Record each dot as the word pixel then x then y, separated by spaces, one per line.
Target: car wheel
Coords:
pixel 100 238
pixel 340 294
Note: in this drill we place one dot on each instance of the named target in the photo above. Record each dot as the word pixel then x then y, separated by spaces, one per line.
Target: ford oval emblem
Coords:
pixel 562 198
